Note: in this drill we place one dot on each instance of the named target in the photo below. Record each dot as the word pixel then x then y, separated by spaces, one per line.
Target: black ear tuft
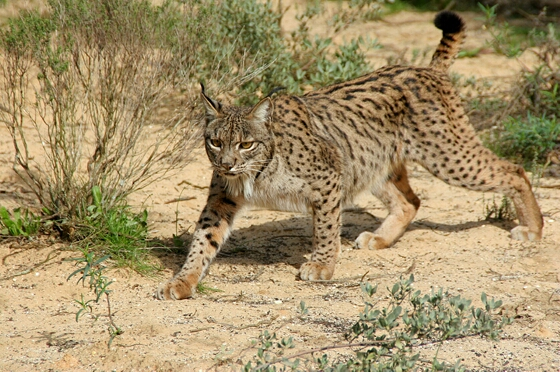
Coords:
pixel 449 22
pixel 213 108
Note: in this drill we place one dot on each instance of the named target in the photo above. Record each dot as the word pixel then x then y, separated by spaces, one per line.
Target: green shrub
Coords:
pixel 527 126
pixel 116 232
pixel 526 140
pixel 89 77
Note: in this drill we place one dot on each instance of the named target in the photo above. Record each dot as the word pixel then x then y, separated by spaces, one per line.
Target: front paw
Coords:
pixel 315 271
pixel 176 289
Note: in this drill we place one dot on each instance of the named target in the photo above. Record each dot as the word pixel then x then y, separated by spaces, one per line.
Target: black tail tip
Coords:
pixel 449 22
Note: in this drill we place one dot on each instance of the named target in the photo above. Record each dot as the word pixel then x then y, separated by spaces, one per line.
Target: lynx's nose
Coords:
pixel 227 166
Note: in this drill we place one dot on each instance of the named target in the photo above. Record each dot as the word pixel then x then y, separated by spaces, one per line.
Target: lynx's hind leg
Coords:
pixel 402 203
pixel 477 168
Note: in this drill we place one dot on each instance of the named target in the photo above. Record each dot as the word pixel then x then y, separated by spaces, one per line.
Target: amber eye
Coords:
pixel 216 143
pixel 245 145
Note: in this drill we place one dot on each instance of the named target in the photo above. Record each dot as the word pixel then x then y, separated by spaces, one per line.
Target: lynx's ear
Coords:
pixel 213 108
pixel 262 111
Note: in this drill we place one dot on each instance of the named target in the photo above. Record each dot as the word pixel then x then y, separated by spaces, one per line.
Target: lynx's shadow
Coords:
pixel 288 241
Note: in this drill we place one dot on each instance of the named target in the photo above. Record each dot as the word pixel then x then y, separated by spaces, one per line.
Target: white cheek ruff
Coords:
pixel 242 185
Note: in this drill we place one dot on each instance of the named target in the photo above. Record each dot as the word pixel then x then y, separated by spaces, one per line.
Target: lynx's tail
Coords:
pixel 453 28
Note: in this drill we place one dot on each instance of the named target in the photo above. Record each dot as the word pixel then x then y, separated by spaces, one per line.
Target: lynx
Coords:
pixel 318 151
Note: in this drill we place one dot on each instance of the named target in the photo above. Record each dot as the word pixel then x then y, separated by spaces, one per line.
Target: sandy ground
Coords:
pixel 449 245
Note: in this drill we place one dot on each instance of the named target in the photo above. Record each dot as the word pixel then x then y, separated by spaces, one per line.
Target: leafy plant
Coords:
pixel 503 40
pixel 385 339
pixel 21 222
pixel 117 232
pixel 92 270
pixel 528 127
pixel 527 140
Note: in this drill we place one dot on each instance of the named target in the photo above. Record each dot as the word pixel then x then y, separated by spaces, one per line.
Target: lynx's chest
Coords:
pixel 280 192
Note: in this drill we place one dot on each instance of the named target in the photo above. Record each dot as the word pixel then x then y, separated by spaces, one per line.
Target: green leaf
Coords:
pixel 97 197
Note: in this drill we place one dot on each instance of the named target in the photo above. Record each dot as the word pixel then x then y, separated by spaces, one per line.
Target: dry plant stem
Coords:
pixel 110 315
pixel 15 74
pixel 27 271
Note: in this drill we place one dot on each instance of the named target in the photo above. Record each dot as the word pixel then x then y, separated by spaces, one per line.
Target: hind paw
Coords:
pixel 522 233
pixel 370 241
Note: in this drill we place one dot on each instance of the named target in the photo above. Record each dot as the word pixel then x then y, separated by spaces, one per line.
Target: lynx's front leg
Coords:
pixel 326 236
pixel 212 231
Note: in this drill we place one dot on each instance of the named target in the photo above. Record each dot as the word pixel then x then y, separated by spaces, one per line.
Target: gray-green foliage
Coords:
pixel 503 40
pixel 386 338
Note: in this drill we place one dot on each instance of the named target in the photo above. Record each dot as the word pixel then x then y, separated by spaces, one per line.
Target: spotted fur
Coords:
pixel 318 151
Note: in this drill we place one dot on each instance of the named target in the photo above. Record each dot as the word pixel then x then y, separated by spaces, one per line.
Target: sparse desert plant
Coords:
pixel 298 60
pixel 536 90
pixel 92 271
pixel 203 288
pixel 499 212
pixel 89 78
pixel 387 338
pixel 503 40
pixel 106 89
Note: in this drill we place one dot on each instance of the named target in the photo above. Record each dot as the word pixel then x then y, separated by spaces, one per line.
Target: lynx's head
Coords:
pixel 238 141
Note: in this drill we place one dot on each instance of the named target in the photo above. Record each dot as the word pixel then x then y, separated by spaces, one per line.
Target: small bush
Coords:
pixel 386 338
pixel 250 30
pixel 89 77
pixel 505 211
